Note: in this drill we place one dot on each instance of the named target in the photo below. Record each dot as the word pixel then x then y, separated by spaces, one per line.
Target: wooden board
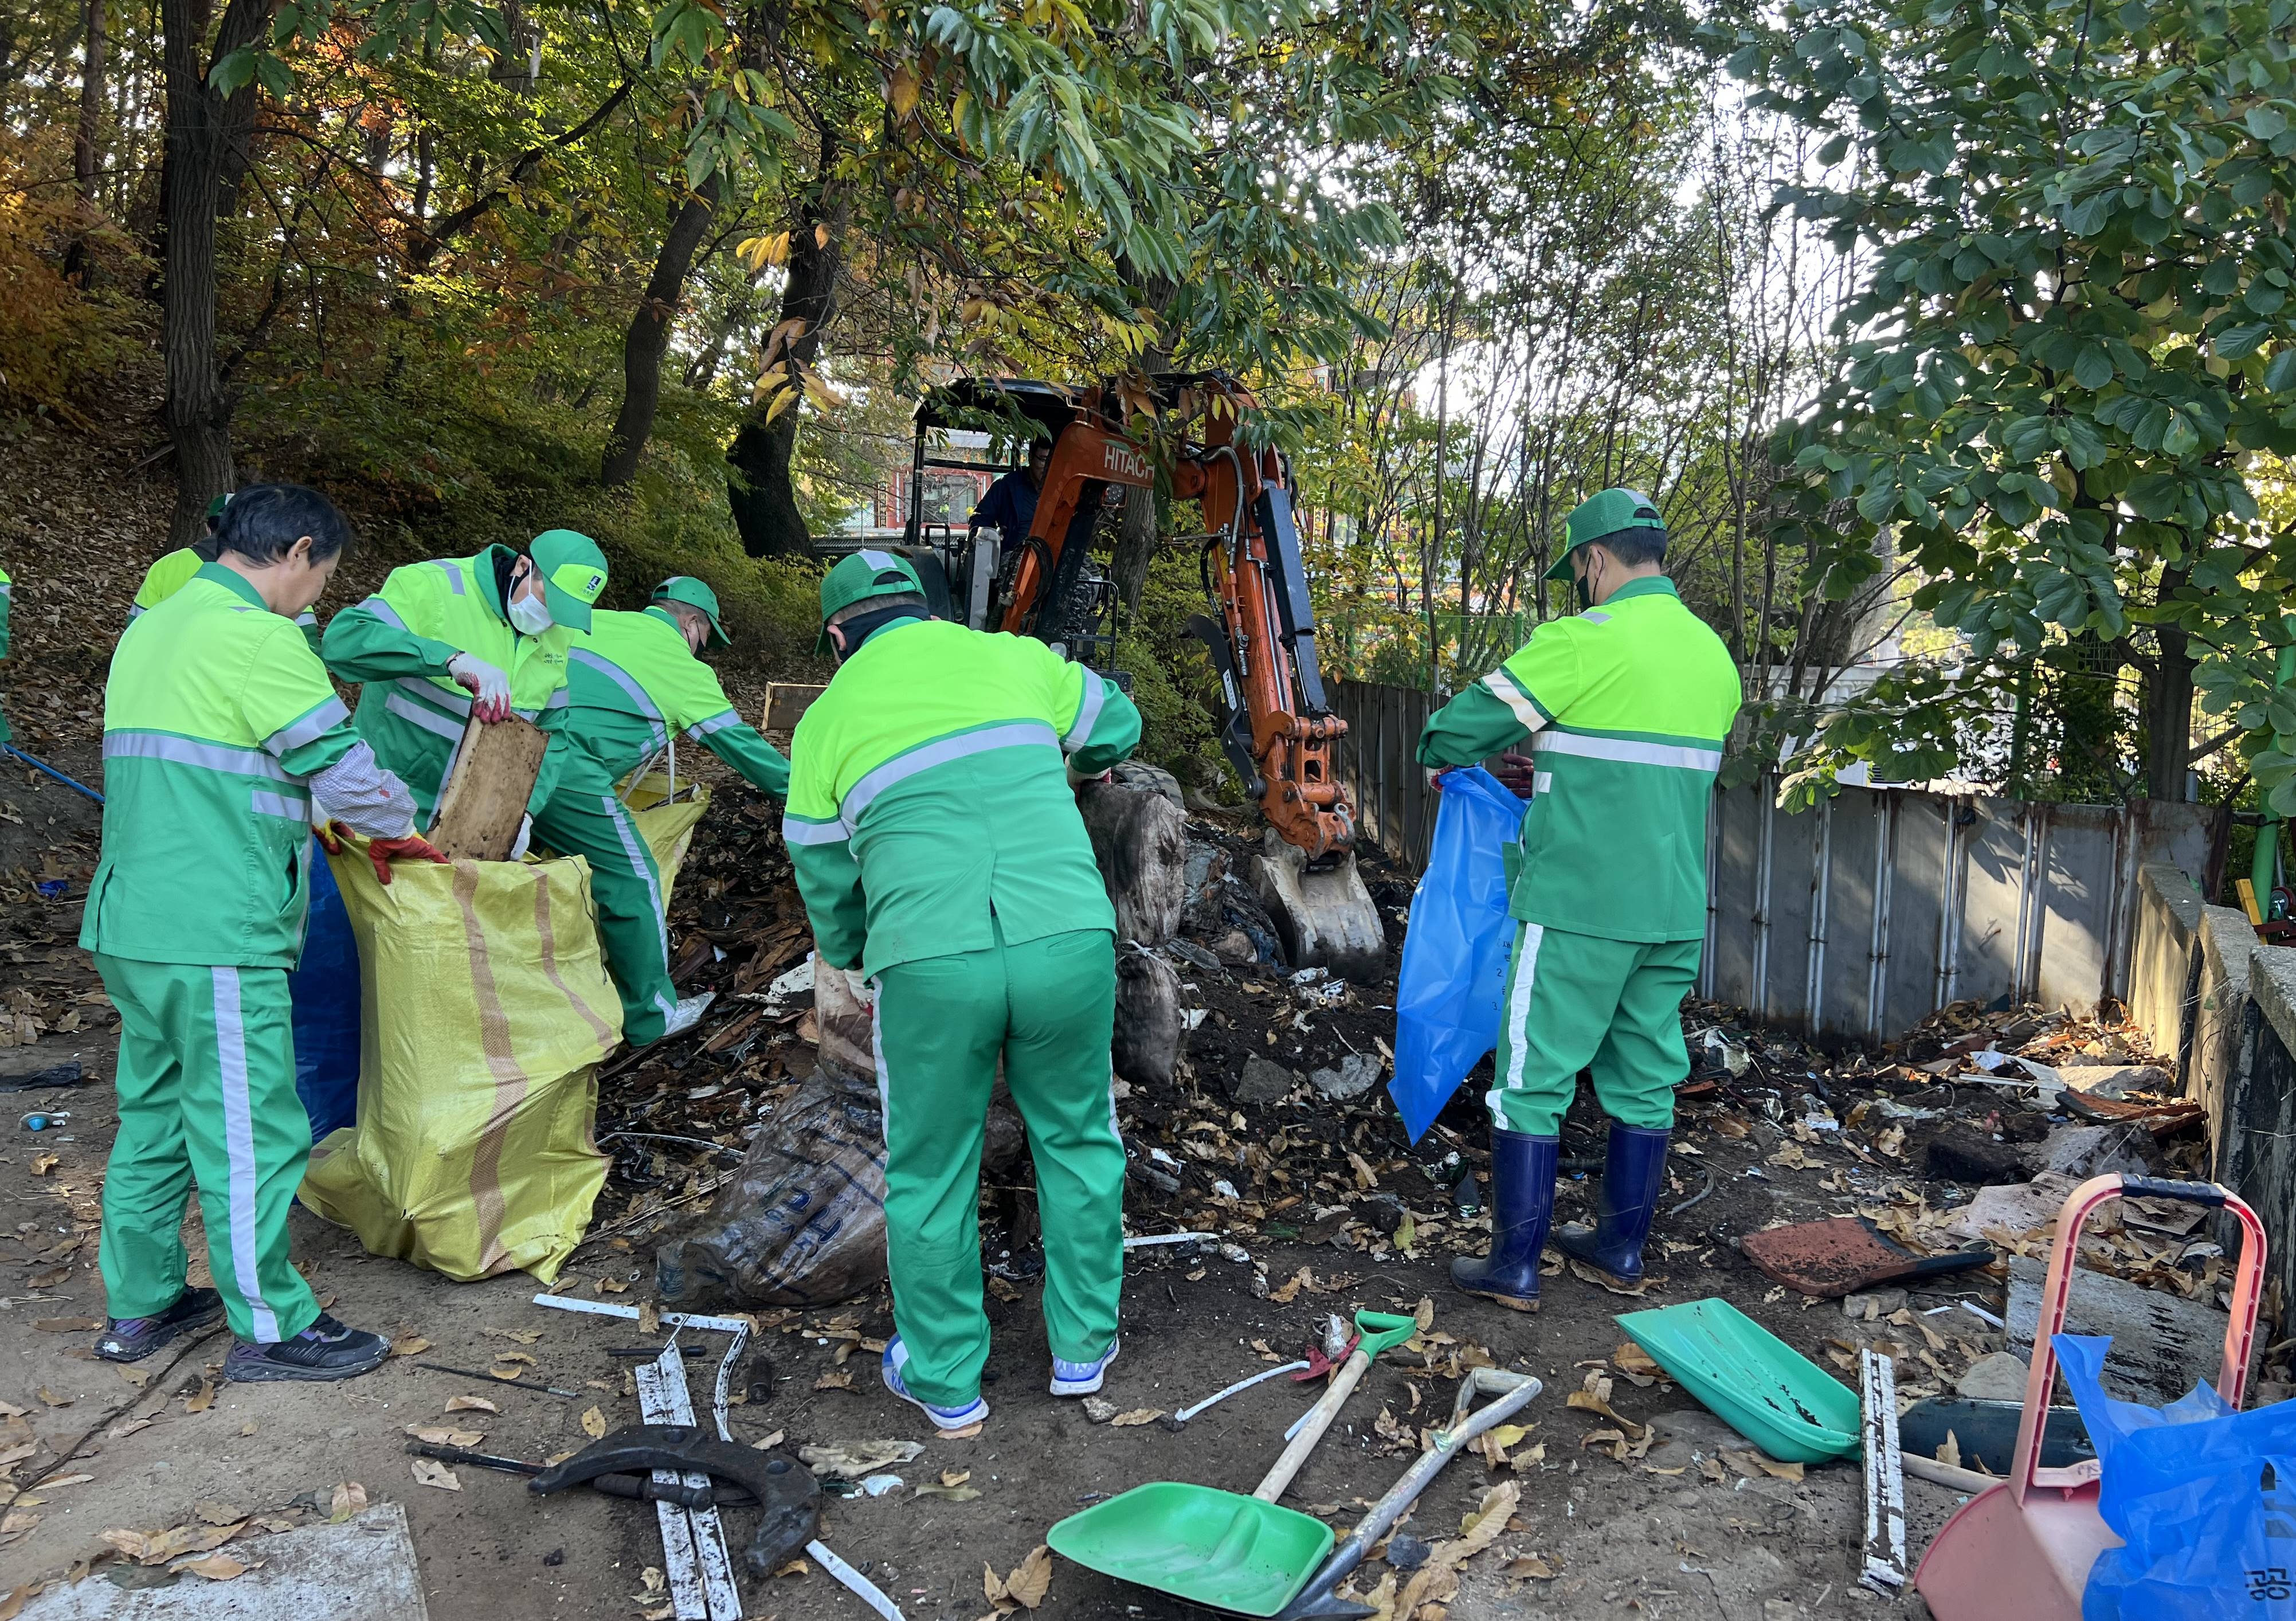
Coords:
pixel 486 788
pixel 785 701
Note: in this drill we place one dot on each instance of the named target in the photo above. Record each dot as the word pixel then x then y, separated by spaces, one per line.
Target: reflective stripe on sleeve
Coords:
pixel 1628 750
pixel 1501 685
pixel 1095 698
pixel 384 611
pixel 430 720
pixel 454 574
pixel 309 729
pixel 190 751
pixel 1015 734
pixel 794 832
pixel 719 721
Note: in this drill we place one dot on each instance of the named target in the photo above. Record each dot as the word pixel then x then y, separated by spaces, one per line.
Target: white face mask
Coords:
pixel 529 616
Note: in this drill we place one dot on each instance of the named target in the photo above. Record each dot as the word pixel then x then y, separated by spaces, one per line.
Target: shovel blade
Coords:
pixel 1210 1547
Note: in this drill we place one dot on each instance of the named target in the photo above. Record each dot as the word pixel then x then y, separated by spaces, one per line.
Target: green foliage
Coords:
pixel 1172 680
pixel 2075 349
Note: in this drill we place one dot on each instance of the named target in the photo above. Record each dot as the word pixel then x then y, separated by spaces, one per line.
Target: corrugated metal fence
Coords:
pixel 1862 917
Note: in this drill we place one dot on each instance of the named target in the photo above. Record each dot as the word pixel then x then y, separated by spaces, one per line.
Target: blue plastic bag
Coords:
pixel 326 990
pixel 2203 1497
pixel 1455 955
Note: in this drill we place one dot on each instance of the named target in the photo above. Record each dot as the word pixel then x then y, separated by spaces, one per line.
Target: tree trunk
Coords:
pixel 203 130
pixel 87 169
pixel 648 336
pixel 762 495
pixel 2168 705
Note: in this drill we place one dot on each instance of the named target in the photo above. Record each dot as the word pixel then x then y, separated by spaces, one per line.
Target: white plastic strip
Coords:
pixel 692 1540
pixel 676 1320
pixel 1885 1480
pixel 860 1586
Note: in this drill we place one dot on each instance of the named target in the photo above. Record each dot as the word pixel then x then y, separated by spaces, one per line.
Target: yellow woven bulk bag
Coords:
pixel 485 1012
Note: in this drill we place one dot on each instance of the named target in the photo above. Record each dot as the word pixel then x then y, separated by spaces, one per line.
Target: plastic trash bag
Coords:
pixel 326 990
pixel 1455 955
pixel 2204 1499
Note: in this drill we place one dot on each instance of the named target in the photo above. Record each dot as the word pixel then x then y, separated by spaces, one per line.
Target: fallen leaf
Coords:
pixel 42 1164
pixel 1138 1415
pixel 649 1318
pixel 506 1372
pixel 612 1286
pixel 955 1476
pixel 218 1567
pixel 525 1337
pixel 594 1424
pixel 48 1279
pixel 66 1325
pixel 409 1344
pixel 52 1399
pixel 349 1499
pixel 59 1483
pixel 1951 1452
pixel 525 1358
pixel 470 1404
pixel 1028 1585
pixel 201 1399
pixel 430 1471
pixel 137 1377
pixel 842 1379
pixel 767 1443
pixel 442 1435
pixel 852 1460
pixel 15 1520
pixel 950 1493
pixel 1530 1567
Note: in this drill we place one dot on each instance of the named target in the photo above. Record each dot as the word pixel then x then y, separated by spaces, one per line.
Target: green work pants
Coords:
pixel 1047 1006
pixel 583 817
pixel 1577 1002
pixel 207 1094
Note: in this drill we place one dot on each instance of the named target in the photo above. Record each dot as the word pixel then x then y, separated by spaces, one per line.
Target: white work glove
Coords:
pixel 1077 779
pixel 858 983
pixel 488 687
pixel 356 791
pixel 525 837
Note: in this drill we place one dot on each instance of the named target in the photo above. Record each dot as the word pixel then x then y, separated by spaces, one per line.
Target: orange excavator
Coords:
pixel 1276 725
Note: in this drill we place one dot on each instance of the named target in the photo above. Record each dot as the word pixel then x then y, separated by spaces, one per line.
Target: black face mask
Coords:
pixel 861 626
pixel 1584 589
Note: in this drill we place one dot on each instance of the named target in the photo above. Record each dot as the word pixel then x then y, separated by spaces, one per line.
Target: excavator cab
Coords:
pixel 1047 583
pixel 1276 725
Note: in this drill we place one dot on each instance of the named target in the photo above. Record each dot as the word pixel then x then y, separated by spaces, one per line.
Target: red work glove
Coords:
pixel 381 851
pixel 1517 771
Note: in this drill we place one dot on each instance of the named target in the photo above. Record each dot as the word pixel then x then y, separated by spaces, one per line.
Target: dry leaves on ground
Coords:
pixel 594 1424
pixel 470 1404
pixel 1024 1589
pixel 1138 1415
pixel 430 1471
pixel 349 1499
pixel 841 1379
pixel 442 1435
pixel 218 1566
pixel 1437 1581
pixel 409 1344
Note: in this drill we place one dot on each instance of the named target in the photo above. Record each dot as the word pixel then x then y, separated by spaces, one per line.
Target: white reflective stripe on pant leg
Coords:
pixel 877 1055
pixel 239 1150
pixel 635 848
pixel 1518 1017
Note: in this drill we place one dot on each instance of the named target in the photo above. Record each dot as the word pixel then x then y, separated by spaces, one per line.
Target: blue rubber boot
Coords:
pixel 1522 1204
pixel 1634 1170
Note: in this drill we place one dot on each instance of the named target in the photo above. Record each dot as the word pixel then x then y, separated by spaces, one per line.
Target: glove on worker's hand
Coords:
pixel 412 847
pixel 1077 779
pixel 488 687
pixel 525 837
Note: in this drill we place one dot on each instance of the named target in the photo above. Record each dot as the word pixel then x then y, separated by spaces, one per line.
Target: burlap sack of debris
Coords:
pixel 485 1009
pixel 802 1223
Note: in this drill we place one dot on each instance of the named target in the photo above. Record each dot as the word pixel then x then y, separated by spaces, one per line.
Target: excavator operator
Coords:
pixel 1010 505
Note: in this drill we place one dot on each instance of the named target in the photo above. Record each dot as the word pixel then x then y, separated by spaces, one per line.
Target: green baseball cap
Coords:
pixel 860 576
pixel 216 507
pixel 694 593
pixel 1614 512
pixel 573 573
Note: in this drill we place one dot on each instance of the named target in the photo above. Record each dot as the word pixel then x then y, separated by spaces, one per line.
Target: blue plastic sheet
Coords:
pixel 2203 1497
pixel 1455 955
pixel 326 989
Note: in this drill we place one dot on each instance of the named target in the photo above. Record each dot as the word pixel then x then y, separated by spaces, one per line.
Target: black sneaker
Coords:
pixel 134 1338
pixel 324 1351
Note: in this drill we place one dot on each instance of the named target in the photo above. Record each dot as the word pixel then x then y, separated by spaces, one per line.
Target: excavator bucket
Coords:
pixel 1321 909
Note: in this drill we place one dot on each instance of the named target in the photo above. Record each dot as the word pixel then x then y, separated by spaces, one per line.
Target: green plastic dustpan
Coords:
pixel 1767 1391
pixel 1210 1547
pixel 1250 1555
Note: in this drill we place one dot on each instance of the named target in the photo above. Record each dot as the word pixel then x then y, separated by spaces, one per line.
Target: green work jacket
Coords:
pixel 926 794
pixel 215 715
pixel 397 642
pixel 175 572
pixel 633 680
pixel 1627 707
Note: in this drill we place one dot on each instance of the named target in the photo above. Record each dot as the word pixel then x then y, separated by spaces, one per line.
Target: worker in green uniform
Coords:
pixel 947 873
pixel 637 680
pixel 172 572
pixel 222 739
pixel 488 635
pixel 1627 708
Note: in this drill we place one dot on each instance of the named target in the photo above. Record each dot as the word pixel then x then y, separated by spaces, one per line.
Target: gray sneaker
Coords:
pixel 326 1350
pixel 134 1338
